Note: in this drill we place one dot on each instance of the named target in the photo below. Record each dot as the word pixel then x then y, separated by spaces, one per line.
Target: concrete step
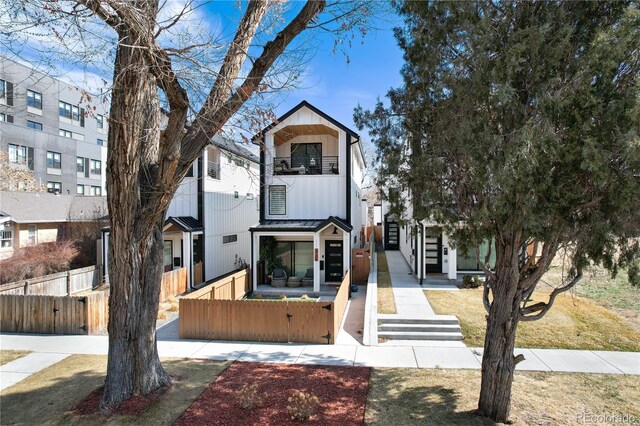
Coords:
pixel 432 320
pixel 431 328
pixel 419 335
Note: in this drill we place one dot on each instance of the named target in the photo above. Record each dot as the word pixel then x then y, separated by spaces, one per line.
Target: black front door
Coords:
pixel 392 236
pixel 432 251
pixel 333 254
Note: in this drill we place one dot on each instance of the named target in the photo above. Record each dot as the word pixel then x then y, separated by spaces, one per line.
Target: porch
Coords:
pixel 326 290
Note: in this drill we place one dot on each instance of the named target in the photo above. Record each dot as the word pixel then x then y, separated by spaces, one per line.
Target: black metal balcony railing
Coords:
pixel 213 169
pixel 305 166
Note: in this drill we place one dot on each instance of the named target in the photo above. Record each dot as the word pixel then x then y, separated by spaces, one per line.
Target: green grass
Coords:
pixel 572 323
pixel 386 301
pixel 449 397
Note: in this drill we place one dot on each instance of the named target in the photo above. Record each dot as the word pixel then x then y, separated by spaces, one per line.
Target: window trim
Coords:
pixel 78 186
pixel 63 133
pixel 38 126
pixel 230 239
pixel 100 121
pixel 92 167
pixel 284 189
pixel 53 160
pixel 62 106
pixel 93 191
pixel 6 235
pixel 79 160
pixel 37 103
pixel 53 186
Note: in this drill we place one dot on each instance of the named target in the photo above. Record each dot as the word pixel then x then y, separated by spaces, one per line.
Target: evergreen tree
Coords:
pixel 519 120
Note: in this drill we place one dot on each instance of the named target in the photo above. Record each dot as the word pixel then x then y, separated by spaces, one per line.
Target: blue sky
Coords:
pixel 332 83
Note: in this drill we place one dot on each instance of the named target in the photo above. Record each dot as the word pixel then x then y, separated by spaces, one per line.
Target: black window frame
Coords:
pixel 64 109
pixel 52 163
pixel 228 239
pixel 100 121
pixel 93 170
pixel 34 125
pixel 32 101
pixel 284 189
pixel 78 161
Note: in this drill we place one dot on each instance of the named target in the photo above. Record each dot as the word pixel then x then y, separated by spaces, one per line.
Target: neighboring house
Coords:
pixel 310 197
pixel 427 249
pixel 30 218
pixel 51 129
pixel 206 227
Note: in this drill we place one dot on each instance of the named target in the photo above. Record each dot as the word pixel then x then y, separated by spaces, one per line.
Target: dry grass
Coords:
pixel 47 396
pixel 572 323
pixel 448 397
pixel 386 301
pixel 9 355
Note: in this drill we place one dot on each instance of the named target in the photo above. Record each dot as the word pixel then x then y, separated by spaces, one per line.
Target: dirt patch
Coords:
pixel 342 392
pixel 133 406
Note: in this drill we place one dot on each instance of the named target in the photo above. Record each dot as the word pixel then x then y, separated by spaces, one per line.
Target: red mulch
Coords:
pixel 342 392
pixel 133 406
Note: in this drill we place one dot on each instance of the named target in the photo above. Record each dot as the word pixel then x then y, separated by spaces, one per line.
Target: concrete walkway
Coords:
pixel 409 295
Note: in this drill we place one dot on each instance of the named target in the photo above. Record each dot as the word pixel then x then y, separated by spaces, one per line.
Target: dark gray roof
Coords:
pixel 301 225
pixel 185 223
pixel 33 207
pixel 233 147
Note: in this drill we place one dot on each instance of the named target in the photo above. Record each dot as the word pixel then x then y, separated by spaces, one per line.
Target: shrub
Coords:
pixel 248 396
pixel 471 281
pixel 283 296
pixel 173 307
pixel 36 261
pixel 302 405
pixel 304 297
pixel 161 315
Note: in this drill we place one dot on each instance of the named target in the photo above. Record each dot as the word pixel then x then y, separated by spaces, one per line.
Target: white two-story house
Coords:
pixel 310 199
pixel 206 226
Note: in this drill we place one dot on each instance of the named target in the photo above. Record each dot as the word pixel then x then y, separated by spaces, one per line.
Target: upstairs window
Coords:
pixel 34 125
pixel 17 154
pixel 54 160
pixel 54 187
pixel 6 92
pixel 6 117
pixel 277 200
pixel 100 121
pixel 80 164
pixel 80 189
pixel 96 167
pixel 100 142
pixel 64 109
pixel 96 191
pixel 226 239
pixel 34 99
pixel 65 133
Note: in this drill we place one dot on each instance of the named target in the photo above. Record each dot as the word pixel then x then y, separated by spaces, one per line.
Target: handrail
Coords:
pixel 303 165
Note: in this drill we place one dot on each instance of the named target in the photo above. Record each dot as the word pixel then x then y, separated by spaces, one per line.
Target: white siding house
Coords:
pixel 206 226
pixel 309 198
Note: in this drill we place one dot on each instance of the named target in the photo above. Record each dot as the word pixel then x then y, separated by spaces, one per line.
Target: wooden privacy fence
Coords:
pixel 173 283
pixel 202 317
pixel 231 287
pixel 60 284
pixel 53 314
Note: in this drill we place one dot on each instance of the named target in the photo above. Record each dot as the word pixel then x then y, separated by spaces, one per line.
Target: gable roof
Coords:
pixel 301 105
pixel 233 147
pixel 185 223
pixel 40 207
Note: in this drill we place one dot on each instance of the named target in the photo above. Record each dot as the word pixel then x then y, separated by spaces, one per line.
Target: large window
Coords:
pixel 33 235
pixel 34 125
pixel 96 191
pixel 55 187
pixel 54 160
pixel 6 92
pixel 295 256
pixel 307 155
pixel 96 167
pixel 468 260
pixel 34 99
pixel 65 133
pixel 80 164
pixel 17 154
pixel 277 199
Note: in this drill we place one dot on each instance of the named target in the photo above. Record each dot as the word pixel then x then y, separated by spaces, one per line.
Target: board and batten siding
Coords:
pixel 185 200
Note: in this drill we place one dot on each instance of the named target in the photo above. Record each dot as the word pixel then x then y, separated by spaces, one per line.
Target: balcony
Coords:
pixel 305 166
pixel 213 169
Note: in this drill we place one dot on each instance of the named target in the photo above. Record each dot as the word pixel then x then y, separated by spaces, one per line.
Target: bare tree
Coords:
pixel 16 177
pixel 161 119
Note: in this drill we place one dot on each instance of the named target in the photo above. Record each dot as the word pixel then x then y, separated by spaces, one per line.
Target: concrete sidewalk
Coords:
pixel 408 294
pixel 557 360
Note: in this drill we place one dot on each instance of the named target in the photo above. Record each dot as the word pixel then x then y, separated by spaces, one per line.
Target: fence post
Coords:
pixel 26 288
pixel 68 283
pixel 233 287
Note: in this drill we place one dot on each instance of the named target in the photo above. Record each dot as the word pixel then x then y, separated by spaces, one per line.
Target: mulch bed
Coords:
pixel 133 406
pixel 342 392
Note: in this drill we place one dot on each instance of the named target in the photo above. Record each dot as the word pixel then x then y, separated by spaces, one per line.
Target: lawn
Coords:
pixel 572 323
pixel 386 302
pixel 616 293
pixel 8 355
pixel 49 395
pixel 448 397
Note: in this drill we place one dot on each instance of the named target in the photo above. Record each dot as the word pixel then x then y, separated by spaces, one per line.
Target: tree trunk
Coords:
pixel 498 362
pixel 136 216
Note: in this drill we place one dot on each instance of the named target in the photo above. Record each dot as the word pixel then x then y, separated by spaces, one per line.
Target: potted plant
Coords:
pixel 267 255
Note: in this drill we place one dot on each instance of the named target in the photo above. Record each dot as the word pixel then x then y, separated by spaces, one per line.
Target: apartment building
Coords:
pixel 54 130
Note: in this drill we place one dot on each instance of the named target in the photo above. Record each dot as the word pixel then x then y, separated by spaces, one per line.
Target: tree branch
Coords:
pixel 526 313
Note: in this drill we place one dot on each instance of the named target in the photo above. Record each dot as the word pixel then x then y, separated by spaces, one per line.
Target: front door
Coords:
pixel 334 268
pixel 392 236
pixel 432 251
